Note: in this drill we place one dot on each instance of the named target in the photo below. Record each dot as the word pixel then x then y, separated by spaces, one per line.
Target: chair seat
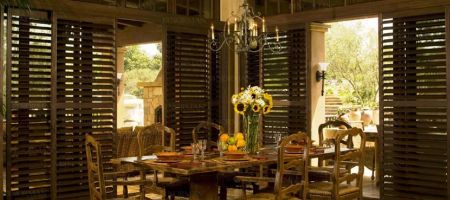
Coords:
pixel 325 189
pixel 267 196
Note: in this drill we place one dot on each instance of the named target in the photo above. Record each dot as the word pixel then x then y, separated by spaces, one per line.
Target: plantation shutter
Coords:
pixel 28 96
pixel 86 100
pixel 284 76
pixel 60 85
pixel 187 83
pixel 414 103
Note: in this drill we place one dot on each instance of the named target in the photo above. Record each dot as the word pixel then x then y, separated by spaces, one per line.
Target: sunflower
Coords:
pixel 240 108
pixel 269 99
pixel 267 109
pixel 256 108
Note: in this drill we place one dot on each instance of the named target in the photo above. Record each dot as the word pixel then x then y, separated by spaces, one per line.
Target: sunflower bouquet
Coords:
pixel 250 103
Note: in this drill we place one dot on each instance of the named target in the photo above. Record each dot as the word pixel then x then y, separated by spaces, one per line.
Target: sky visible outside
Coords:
pixel 150 49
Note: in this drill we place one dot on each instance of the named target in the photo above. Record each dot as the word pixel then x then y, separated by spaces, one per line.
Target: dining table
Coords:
pixel 203 173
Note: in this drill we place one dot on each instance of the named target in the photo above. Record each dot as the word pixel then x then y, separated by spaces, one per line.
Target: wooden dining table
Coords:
pixel 203 173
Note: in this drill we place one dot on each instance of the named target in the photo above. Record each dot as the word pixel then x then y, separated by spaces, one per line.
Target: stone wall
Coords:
pixel 153 97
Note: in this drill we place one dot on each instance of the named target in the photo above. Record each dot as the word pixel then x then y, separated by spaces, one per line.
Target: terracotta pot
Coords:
pixel 366 117
pixel 354 115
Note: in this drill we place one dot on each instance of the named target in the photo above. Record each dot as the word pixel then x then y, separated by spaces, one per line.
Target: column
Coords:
pixel 317 54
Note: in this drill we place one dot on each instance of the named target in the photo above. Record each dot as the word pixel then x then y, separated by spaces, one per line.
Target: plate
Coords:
pixel 167 161
pixel 236 159
pixel 293 154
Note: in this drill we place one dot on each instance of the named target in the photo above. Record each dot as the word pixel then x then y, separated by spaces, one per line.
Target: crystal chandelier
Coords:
pixel 247 31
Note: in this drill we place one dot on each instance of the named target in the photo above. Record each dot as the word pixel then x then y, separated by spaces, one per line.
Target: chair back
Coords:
pixel 155 138
pixel 97 188
pixel 355 156
pixel 297 166
pixel 335 123
pixel 205 130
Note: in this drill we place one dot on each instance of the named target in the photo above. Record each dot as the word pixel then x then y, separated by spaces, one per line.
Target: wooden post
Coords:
pixel 53 116
pixel 447 44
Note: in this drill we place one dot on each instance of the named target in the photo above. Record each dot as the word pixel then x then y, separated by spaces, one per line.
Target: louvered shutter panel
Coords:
pixel 86 100
pixel 187 83
pixel 28 108
pixel 414 107
pixel 284 76
pixel 253 69
pixel 85 95
pixel 217 84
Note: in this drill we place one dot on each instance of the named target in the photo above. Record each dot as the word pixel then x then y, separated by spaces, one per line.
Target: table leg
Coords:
pixel 142 187
pixel 204 186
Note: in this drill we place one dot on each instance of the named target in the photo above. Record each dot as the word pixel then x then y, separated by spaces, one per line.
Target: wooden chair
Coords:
pixel 343 185
pixel 334 123
pixel 96 176
pixel 287 167
pixel 157 138
pixel 210 128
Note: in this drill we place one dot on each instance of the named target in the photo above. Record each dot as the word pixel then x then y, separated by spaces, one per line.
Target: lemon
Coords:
pixel 240 143
pixel 232 148
pixel 224 137
pixel 231 141
pixel 224 146
pixel 239 136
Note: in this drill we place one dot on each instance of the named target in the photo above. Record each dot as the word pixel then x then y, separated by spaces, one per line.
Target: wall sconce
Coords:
pixel 119 78
pixel 320 74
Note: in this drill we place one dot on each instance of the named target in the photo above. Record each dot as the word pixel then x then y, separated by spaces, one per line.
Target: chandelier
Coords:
pixel 247 31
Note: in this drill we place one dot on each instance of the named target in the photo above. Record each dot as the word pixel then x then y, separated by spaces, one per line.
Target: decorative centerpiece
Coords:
pixel 251 103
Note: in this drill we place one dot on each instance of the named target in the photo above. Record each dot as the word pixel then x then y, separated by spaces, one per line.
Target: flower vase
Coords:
pixel 251 127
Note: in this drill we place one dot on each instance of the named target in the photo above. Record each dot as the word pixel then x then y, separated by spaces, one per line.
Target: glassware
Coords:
pixel 203 147
pixel 219 147
pixel 194 150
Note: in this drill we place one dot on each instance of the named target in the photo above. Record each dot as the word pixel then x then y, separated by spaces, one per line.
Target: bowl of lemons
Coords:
pixel 234 143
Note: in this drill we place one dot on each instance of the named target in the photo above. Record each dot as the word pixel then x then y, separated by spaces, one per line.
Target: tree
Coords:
pixel 139 67
pixel 352 50
pixel 135 58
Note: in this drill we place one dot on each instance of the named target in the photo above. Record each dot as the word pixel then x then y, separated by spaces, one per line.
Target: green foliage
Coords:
pixel 352 50
pixel 139 67
pixel 135 58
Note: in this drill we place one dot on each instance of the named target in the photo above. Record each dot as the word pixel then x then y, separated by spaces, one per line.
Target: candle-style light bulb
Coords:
pixel 264 25
pixel 235 24
pixel 277 35
pixel 256 30
pixel 212 31
pixel 228 27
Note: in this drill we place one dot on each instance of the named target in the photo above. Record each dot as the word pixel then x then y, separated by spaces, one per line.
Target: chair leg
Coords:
pixel 125 188
pixel 374 167
pixel 223 193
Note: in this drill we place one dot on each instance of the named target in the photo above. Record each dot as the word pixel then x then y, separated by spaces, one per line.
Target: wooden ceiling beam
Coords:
pixel 355 11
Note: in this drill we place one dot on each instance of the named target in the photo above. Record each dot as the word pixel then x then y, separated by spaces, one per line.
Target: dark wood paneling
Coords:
pixel 413 85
